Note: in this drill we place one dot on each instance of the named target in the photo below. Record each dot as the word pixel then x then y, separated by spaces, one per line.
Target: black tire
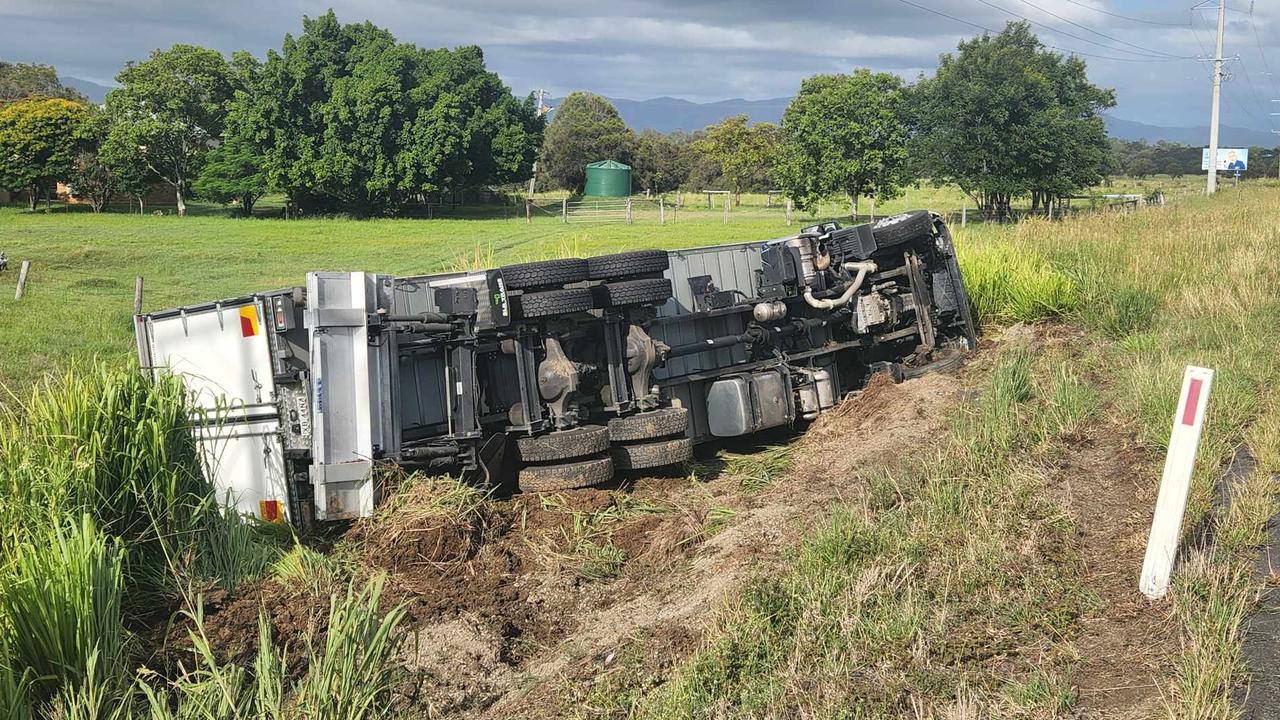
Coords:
pixel 651 454
pixel 565 476
pixel 553 302
pixel 648 425
pixel 951 360
pixel 632 292
pixel 547 273
pixel 628 264
pixel 905 227
pixel 564 444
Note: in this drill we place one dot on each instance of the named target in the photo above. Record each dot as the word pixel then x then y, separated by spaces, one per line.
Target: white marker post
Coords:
pixel 1166 526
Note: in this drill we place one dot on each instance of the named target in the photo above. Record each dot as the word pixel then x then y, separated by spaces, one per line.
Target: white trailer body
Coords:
pixel 224 357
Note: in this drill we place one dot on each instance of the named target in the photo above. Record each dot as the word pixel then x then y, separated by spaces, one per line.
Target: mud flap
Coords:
pixel 490 461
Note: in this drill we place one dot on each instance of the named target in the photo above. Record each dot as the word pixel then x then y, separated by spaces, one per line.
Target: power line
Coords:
pixel 1266 66
pixel 1051 47
pixel 1249 81
pixel 1064 32
pixel 1101 34
pixel 1126 17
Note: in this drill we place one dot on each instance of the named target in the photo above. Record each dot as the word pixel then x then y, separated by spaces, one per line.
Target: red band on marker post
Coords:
pixel 1193 401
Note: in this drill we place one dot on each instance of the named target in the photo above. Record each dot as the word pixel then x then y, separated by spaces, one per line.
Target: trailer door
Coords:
pixel 222 354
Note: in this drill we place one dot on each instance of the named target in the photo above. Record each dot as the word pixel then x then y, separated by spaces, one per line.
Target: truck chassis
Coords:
pixel 560 372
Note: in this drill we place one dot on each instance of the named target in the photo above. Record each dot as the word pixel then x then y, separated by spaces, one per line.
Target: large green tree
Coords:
pixel 172 107
pixel 747 154
pixel 92 176
pixel 235 170
pixel 584 129
pixel 355 121
pixel 845 134
pixel 23 80
pixel 661 162
pixel 39 141
pixel 1006 117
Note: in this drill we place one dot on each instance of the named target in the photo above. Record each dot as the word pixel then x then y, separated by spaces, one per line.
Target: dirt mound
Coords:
pixel 881 422
pixel 231 626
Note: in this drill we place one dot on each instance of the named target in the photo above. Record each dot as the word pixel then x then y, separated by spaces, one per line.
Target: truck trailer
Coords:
pixel 550 375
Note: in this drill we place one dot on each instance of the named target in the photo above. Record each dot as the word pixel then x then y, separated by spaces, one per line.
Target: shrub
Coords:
pixel 1013 284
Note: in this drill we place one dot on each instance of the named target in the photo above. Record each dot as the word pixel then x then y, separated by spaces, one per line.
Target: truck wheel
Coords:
pixel 649 425
pixel 628 264
pixel 651 454
pixel 902 228
pixel 553 302
pixel 564 444
pixel 632 292
pixel 566 476
pixel 547 273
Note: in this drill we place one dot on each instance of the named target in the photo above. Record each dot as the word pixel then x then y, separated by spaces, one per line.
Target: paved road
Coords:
pixel 1262 643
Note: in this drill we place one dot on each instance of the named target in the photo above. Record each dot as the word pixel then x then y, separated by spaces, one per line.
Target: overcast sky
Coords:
pixel 700 50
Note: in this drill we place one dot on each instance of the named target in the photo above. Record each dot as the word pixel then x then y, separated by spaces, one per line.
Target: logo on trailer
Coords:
pixel 249 321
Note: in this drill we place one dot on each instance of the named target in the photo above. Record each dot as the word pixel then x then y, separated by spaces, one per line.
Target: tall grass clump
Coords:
pixel 112 445
pixel 1008 283
pixel 105 513
pixel 62 606
pixel 352 672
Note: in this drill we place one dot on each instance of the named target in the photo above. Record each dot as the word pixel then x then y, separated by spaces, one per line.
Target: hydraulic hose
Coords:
pixel 863 268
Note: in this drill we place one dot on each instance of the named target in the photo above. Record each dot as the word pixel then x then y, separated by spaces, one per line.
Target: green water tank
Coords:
pixel 608 178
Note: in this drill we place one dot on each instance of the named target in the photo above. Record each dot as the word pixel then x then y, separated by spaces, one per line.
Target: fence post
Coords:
pixel 726 209
pixel 528 211
pixel 137 295
pixel 873 208
pixel 788 212
pixel 662 212
pixel 564 210
pixel 1049 202
pixel 22 279
pixel 964 216
pixel 628 211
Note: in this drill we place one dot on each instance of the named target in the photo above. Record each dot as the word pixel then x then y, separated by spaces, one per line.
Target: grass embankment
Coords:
pixel 108 525
pixel 955 588
pixel 1196 284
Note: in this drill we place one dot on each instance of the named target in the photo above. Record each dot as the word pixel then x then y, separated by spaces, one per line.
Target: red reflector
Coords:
pixel 1193 400
pixel 270 510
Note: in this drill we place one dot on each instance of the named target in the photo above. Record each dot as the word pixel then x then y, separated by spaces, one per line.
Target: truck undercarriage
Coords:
pixel 562 372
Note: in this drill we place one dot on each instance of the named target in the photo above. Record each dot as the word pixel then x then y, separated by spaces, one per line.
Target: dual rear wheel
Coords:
pixel 589 454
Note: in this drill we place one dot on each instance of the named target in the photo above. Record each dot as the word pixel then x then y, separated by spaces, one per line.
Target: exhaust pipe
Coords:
pixel 863 269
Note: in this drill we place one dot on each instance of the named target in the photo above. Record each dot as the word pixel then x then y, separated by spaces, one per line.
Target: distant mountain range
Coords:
pixel 1228 136
pixel 665 114
pixel 92 90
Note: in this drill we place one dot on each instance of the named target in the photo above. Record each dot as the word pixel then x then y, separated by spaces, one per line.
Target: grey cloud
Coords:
pixel 700 50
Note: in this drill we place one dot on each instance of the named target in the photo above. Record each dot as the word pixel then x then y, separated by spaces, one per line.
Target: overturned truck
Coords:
pixel 559 373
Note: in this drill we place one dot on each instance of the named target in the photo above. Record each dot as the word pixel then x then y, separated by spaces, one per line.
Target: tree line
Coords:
pixel 344 118
pixel 1002 117
pixel 1140 159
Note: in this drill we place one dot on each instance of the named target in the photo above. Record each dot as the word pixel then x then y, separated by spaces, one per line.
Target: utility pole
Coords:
pixel 1212 186
pixel 533 181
